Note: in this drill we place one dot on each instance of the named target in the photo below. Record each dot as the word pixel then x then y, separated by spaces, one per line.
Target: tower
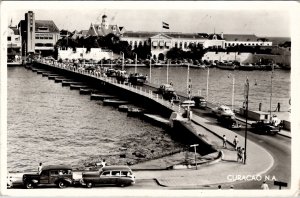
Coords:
pixel 104 23
pixel 30 31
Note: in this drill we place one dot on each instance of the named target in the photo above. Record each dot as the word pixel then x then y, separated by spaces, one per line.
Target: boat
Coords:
pixel 247 67
pixel 226 65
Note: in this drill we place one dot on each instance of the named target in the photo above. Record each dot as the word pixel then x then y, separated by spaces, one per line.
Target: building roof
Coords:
pixel 98 30
pixel 240 37
pixel 46 23
pixel 15 30
pixel 170 34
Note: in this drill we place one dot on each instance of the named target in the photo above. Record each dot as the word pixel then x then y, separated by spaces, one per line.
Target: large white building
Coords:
pixel 14 44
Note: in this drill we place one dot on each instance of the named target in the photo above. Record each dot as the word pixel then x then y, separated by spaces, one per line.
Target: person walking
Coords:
pixel 103 163
pixel 235 142
pixel 224 141
pixel 264 186
pixel 238 152
pixel 40 168
pixel 243 155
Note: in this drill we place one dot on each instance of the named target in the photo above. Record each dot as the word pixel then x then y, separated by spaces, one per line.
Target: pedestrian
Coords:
pixel 231 187
pixel 219 187
pixel 40 168
pixel 239 155
pixel 235 142
pixel 172 102
pixel 103 163
pixel 243 155
pixel 264 186
pixel 278 107
pixel 224 141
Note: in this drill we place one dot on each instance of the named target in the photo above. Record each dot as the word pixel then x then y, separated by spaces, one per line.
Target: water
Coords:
pixel 220 85
pixel 55 125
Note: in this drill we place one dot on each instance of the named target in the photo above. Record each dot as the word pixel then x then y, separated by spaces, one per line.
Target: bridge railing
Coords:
pixel 99 75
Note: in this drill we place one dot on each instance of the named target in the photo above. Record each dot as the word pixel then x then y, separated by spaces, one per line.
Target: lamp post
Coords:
pixel 207 80
pixel 195 145
pixel 122 59
pixel 112 56
pixel 168 71
pixel 232 99
pixel 150 68
pixel 188 75
pixel 271 90
pixel 246 114
pixel 135 67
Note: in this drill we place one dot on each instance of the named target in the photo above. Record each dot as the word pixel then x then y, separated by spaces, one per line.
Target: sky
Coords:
pixel 187 17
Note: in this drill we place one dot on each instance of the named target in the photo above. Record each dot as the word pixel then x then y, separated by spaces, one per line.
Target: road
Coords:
pixel 278 146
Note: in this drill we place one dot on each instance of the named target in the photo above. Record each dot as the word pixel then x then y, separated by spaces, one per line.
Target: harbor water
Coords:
pixel 220 85
pixel 55 125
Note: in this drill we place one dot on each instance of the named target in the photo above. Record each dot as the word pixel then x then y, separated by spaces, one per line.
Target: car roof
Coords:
pixel 54 167
pixel 108 168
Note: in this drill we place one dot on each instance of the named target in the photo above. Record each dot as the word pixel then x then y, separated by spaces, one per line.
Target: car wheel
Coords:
pixel 89 185
pixel 29 185
pixel 62 184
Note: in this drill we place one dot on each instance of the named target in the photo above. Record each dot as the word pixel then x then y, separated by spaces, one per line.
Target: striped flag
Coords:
pixel 165 25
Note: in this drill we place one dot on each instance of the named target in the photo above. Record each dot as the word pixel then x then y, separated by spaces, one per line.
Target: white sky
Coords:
pixel 266 19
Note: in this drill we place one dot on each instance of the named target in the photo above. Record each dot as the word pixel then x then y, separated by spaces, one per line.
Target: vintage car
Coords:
pixel 222 111
pixel 137 79
pixel 165 88
pixel 108 175
pixel 265 127
pixel 59 175
pixel 200 101
pixel 229 122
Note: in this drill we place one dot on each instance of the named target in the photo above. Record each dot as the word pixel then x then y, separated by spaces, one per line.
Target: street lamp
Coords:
pixel 112 57
pixel 150 68
pixel 271 91
pixel 233 82
pixel 195 145
pixel 135 68
pixel 246 114
pixel 168 71
pixel 207 79
pixel 122 59
pixel 188 75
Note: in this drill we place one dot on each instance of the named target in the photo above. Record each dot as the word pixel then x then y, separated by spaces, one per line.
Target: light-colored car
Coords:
pixel 222 110
pixel 109 175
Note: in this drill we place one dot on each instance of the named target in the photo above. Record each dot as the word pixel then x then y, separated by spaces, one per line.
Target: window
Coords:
pixel 49 45
pixel 180 44
pixel 106 173
pixel 176 44
pixel 115 173
pixel 44 173
pixel 54 172
pixel 16 39
pixel 37 37
pixel 185 44
pixel 39 44
pixel 9 38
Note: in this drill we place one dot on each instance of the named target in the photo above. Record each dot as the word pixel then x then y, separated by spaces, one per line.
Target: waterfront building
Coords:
pixel 104 28
pixel 38 36
pixel 14 44
pixel 245 39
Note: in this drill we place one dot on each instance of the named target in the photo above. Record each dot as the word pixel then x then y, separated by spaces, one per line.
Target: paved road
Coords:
pixel 278 146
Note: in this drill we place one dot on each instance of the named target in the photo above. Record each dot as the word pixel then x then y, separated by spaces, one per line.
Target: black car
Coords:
pixel 229 122
pixel 265 127
pixel 200 102
pixel 58 175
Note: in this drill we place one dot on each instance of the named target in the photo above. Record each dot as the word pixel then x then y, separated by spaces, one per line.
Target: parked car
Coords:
pixel 137 79
pixel 171 95
pixel 222 110
pixel 59 175
pixel 200 101
pixel 265 127
pixel 109 175
pixel 229 122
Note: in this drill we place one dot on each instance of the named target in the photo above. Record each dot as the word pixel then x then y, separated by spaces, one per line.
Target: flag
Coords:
pixel 165 25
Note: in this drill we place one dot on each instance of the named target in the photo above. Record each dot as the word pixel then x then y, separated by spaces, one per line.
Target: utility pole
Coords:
pixel 246 128
pixel 207 79
pixel 195 145
pixel 168 71
pixel 271 91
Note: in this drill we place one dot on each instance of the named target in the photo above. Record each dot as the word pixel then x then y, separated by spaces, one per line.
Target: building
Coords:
pixel 14 44
pixel 38 36
pixel 104 28
pixel 246 40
